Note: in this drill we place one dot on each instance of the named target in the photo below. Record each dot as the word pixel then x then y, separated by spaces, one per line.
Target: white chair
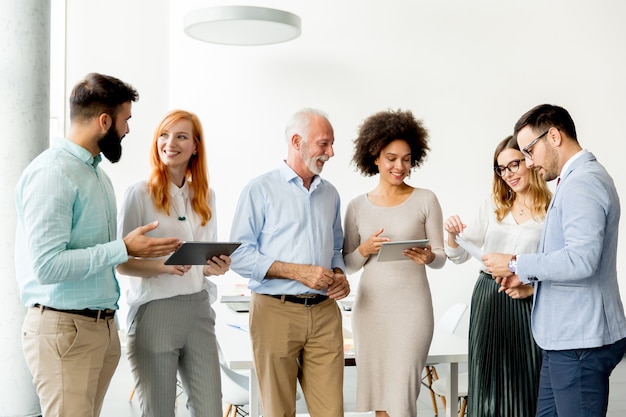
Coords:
pixel 439 388
pixel 449 323
pixel 235 388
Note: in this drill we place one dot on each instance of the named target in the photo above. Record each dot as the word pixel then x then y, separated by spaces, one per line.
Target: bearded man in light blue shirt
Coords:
pixel 289 223
pixel 66 252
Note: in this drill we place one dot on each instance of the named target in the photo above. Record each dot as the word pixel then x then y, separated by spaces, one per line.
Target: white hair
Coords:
pixel 300 122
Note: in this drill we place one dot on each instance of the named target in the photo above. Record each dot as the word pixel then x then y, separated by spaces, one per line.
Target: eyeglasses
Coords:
pixel 527 150
pixel 512 166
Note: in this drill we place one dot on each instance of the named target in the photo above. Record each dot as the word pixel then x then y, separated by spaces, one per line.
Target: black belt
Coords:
pixel 306 299
pixel 94 314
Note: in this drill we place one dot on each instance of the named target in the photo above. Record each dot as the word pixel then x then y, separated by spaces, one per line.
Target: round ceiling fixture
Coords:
pixel 242 25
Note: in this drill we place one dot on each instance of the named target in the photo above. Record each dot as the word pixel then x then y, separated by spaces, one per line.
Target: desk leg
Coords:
pixel 254 395
pixel 453 389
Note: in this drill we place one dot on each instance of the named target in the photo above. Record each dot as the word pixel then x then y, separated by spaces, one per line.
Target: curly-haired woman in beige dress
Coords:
pixel 392 315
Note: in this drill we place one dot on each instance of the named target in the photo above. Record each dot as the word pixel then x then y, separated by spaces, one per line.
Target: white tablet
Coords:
pixel 393 251
pixel 197 253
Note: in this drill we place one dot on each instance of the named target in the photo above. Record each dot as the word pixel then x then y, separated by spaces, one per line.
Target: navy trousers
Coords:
pixel 575 383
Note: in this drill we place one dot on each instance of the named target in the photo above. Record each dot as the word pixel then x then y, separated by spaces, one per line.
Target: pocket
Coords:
pixel 67 335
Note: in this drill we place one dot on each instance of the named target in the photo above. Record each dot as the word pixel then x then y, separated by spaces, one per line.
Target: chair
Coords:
pixel 448 322
pixel 439 388
pixel 235 389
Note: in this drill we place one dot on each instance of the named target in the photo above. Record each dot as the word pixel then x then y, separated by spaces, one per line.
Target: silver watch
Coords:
pixel 513 264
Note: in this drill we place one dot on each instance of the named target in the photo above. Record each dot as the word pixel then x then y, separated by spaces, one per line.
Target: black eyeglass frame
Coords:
pixel 501 171
pixel 526 151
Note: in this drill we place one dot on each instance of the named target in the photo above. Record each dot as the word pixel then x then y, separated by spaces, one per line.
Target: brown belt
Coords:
pixel 94 314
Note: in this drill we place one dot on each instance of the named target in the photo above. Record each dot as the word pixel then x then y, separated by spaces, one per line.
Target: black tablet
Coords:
pixel 197 253
pixel 393 251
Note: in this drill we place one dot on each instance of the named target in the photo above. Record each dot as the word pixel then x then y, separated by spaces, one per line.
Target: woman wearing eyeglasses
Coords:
pixel 504 361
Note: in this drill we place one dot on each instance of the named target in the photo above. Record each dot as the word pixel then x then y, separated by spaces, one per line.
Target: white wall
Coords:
pixel 468 69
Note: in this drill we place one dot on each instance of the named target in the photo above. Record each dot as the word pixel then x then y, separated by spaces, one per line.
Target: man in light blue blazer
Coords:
pixel 578 317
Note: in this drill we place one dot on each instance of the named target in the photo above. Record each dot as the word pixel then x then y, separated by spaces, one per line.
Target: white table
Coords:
pixel 234 338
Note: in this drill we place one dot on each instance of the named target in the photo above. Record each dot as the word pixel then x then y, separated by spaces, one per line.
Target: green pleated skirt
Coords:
pixel 504 361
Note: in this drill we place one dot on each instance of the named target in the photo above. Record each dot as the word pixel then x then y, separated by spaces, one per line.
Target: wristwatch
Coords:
pixel 513 264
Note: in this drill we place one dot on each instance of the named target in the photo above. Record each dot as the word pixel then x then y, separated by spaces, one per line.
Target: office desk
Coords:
pixel 232 334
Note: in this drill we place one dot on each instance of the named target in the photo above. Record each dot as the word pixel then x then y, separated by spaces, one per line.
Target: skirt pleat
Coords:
pixel 504 361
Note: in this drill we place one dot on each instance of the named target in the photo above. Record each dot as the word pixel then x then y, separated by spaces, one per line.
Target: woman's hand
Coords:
pixel 453 225
pixel 373 243
pixel 420 256
pixel 179 270
pixel 217 265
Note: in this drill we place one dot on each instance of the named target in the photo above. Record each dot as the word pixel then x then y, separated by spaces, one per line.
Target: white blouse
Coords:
pixel 137 209
pixel 506 236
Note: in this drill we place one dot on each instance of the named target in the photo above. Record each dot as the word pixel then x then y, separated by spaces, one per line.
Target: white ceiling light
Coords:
pixel 242 25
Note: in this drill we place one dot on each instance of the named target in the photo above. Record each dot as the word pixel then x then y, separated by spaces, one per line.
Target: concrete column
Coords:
pixel 25 121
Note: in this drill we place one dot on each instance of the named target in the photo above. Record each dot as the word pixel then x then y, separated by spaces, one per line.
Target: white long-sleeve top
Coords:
pixel 137 209
pixel 506 236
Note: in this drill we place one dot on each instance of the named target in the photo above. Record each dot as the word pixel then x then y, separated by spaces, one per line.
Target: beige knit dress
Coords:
pixel 392 318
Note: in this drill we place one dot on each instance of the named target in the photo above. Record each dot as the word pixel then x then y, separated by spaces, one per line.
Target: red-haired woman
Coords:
pixel 171 325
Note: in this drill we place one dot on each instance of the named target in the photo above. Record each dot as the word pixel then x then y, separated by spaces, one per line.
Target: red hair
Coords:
pixel 196 176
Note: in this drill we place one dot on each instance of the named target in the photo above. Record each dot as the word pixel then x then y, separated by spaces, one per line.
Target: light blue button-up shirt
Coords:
pixel 278 219
pixel 65 247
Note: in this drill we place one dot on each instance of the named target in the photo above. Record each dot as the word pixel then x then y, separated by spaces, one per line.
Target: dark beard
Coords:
pixel 111 145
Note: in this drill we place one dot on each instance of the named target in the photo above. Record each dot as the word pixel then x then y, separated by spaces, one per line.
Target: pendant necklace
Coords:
pixel 182 217
pixel 521 210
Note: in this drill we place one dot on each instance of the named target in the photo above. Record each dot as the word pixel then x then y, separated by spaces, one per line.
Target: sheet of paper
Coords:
pixel 470 248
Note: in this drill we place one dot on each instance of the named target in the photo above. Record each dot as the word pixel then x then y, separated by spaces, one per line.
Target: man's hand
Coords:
pixel 518 293
pixel 340 288
pixel 315 277
pixel 497 264
pixel 142 246
pixel 511 281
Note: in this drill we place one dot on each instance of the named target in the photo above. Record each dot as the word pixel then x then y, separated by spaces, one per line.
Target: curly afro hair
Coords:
pixel 382 128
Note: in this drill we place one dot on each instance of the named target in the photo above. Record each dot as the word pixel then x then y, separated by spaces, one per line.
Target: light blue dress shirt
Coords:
pixel 278 219
pixel 65 247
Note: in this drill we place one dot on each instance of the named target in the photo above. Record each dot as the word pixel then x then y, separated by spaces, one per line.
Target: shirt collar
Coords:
pixel 175 191
pixel 79 152
pixel 289 175
pixel 571 160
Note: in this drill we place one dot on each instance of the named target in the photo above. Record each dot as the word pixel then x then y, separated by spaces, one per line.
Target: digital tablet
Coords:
pixel 392 251
pixel 197 253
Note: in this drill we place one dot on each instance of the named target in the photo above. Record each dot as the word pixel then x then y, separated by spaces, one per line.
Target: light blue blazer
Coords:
pixel 577 301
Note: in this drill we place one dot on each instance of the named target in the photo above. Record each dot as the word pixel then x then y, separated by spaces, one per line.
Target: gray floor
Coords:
pixel 117 402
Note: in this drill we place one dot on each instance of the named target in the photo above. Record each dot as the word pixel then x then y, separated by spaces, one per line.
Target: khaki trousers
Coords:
pixel 294 342
pixel 72 359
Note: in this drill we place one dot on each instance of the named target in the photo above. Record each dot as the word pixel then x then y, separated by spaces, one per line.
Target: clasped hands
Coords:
pixel 317 277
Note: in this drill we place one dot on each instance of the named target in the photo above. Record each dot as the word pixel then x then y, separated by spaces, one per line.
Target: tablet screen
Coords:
pixel 197 253
pixel 393 251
